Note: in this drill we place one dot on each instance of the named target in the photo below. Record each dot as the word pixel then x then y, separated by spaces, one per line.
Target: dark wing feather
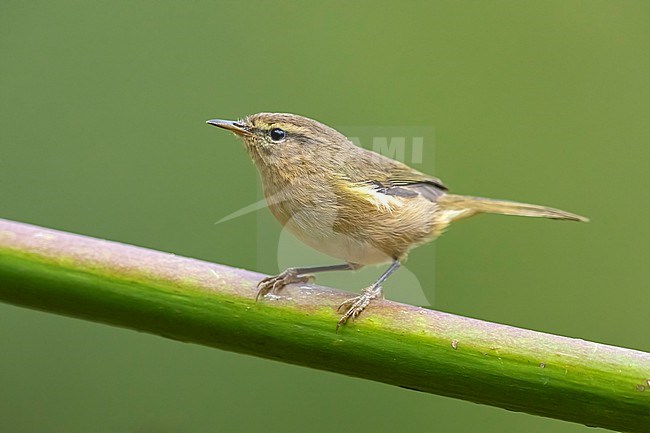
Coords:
pixel 412 186
pixel 429 190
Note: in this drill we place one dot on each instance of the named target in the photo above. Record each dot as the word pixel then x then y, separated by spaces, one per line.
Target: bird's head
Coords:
pixel 288 141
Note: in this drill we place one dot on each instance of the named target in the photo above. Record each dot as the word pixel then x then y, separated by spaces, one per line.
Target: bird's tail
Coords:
pixel 456 207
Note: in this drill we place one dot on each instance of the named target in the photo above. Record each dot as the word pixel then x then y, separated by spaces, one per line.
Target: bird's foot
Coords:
pixel 277 282
pixel 354 306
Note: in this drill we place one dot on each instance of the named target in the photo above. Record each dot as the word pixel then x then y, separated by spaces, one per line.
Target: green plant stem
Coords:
pixel 214 305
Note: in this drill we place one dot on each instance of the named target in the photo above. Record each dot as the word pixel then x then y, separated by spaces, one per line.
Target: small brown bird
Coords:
pixel 351 203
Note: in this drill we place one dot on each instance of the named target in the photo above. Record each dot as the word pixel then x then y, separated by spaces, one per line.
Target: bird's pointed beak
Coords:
pixel 232 126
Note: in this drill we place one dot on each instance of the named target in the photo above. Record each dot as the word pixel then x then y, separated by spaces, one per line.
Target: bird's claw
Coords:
pixel 277 282
pixel 354 306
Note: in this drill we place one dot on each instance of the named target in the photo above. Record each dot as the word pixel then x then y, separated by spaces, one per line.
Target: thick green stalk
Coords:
pixel 429 351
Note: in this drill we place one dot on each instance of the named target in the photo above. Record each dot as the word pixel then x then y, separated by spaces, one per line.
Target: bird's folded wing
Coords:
pixel 410 183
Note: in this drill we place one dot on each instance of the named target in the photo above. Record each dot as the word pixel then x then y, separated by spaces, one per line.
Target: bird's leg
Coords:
pixel 354 306
pixel 297 275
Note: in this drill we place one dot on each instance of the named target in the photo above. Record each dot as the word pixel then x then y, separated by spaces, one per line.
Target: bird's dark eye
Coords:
pixel 277 134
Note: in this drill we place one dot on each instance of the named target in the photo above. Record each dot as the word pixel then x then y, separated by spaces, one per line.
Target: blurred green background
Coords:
pixel 102 133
